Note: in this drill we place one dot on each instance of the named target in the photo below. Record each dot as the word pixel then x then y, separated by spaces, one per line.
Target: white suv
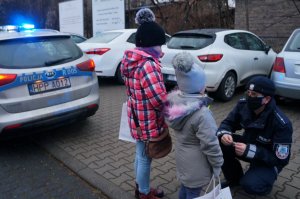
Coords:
pixel 228 57
pixel 45 80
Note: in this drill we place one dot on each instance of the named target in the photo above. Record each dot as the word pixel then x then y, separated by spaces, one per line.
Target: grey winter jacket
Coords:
pixel 197 151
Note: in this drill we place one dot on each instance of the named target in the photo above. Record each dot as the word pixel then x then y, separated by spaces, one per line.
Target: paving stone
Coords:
pixel 98 137
pixel 289 192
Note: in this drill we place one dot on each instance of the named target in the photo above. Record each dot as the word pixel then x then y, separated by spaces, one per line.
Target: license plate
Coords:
pixel 171 77
pixel 42 87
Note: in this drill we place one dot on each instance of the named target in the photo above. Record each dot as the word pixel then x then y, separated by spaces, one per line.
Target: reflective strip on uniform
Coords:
pixel 252 151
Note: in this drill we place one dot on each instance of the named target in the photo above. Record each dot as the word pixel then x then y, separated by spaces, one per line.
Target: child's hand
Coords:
pixel 239 148
pixel 227 140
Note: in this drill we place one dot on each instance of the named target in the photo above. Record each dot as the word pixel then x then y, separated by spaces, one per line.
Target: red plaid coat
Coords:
pixel 146 93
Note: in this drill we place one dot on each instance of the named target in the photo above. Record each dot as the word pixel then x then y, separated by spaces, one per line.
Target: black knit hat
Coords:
pixel 149 33
pixel 262 85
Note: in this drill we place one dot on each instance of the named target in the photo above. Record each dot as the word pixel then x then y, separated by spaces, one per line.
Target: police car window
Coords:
pixel 32 53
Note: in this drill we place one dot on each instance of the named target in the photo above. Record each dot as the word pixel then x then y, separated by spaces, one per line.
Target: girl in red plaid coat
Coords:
pixel 146 92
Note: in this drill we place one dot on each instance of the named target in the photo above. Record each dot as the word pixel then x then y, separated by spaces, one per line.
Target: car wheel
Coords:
pixel 227 87
pixel 119 76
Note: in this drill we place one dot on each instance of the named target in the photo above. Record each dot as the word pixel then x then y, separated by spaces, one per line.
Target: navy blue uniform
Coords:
pixel 268 137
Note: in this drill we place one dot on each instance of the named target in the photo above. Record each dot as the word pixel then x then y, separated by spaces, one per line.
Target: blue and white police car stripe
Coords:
pixel 46 75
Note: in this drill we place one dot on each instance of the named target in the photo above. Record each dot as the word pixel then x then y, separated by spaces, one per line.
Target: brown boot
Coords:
pixel 156 192
pixel 150 195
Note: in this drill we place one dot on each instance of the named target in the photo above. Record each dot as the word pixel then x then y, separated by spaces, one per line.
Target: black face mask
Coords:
pixel 254 103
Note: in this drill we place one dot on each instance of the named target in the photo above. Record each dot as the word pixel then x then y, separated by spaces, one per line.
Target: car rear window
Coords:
pixel 294 43
pixel 190 41
pixel 37 52
pixel 103 37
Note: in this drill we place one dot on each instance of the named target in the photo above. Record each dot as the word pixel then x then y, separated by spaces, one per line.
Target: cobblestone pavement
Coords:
pixel 28 172
pixel 92 150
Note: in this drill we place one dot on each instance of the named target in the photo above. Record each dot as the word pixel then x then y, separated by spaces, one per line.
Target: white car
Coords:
pixel 107 50
pixel 286 69
pixel 228 57
pixel 45 80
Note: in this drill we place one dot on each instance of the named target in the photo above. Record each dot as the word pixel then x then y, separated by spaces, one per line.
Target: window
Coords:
pixel 253 42
pixel 104 37
pixel 294 43
pixel 190 41
pixel 37 52
pixel 235 40
pixel 77 39
pixel 131 39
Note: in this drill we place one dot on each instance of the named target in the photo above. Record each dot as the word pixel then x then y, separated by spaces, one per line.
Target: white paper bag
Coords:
pixel 216 192
pixel 225 194
pixel 124 132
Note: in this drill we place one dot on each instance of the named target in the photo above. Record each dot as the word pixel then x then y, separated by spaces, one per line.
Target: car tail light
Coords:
pixel 210 58
pixel 279 65
pixel 97 51
pixel 88 65
pixel 7 78
pixel 92 106
pixel 13 126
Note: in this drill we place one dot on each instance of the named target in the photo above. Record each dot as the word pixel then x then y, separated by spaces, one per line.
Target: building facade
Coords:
pixel 273 20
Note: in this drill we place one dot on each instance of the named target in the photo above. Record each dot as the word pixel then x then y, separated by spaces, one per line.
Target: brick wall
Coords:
pixel 273 20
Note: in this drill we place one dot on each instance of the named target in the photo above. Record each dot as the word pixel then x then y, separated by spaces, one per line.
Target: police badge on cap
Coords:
pixel 262 85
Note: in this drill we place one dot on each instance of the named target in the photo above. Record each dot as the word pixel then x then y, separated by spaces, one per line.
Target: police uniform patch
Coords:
pixel 282 151
pixel 251 87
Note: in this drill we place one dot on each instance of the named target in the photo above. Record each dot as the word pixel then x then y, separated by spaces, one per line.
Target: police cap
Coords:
pixel 262 85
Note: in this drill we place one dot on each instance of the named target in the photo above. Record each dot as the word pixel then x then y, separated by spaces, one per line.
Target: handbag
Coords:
pixel 155 147
pixel 159 147
pixel 124 132
pixel 216 192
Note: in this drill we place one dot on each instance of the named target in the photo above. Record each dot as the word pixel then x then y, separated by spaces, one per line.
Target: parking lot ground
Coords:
pixel 27 172
pixel 92 150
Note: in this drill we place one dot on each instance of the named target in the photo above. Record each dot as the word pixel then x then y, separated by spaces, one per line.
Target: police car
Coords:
pixel 45 80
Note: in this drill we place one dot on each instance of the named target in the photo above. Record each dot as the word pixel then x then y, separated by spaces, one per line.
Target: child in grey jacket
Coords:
pixel 197 151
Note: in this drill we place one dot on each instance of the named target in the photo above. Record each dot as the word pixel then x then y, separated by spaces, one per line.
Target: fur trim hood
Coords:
pixel 180 106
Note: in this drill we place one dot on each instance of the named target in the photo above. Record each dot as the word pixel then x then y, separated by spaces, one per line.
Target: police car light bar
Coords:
pixel 27 26
pixel 9 28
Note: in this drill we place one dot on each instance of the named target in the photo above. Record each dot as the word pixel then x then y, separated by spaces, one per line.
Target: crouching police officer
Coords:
pixel 265 142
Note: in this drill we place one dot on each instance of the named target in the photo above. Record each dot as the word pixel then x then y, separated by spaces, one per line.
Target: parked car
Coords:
pixel 286 69
pixel 107 50
pixel 45 80
pixel 228 57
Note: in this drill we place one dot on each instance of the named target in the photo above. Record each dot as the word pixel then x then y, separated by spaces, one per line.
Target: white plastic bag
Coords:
pixel 216 192
pixel 124 132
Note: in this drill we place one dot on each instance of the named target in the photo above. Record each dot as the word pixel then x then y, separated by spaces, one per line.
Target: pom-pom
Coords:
pixel 144 15
pixel 183 61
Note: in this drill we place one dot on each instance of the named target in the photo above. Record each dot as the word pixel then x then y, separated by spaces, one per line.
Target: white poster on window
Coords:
pixel 108 15
pixel 71 17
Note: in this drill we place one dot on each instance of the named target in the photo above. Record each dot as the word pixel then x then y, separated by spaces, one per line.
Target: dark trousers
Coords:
pixel 257 180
